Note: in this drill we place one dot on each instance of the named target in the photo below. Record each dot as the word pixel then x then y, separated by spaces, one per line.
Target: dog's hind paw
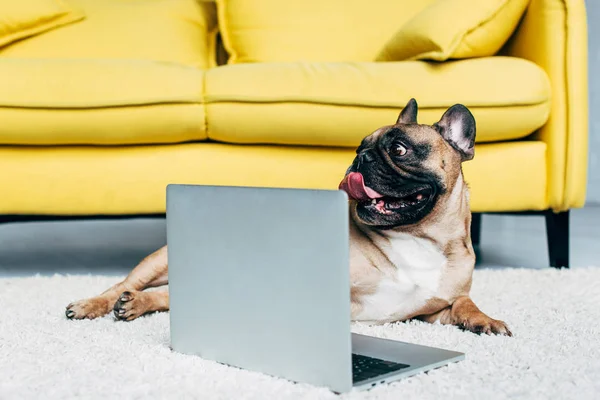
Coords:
pixel 88 309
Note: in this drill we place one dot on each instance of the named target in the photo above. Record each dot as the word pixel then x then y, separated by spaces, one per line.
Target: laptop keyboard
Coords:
pixel 364 367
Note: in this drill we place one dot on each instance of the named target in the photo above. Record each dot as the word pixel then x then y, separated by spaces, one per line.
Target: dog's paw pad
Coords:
pixel 479 329
pixel 125 297
pixel 129 306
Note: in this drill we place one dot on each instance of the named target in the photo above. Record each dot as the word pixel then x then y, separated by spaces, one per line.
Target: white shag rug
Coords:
pixel 555 351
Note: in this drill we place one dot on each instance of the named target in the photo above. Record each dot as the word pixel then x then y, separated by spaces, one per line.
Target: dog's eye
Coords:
pixel 399 149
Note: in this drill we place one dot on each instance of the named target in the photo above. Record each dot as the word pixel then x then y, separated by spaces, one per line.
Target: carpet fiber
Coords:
pixel 555 351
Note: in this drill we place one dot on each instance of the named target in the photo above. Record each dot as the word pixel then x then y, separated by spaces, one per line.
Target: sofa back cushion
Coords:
pixel 310 30
pixel 178 31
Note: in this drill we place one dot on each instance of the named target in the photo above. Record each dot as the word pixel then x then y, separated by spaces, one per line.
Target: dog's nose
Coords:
pixel 366 156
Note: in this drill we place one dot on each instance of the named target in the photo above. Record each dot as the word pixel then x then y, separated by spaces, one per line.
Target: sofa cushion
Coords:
pixel 310 30
pixel 99 102
pixel 455 29
pixel 132 179
pixel 26 18
pixel 181 31
pixel 337 104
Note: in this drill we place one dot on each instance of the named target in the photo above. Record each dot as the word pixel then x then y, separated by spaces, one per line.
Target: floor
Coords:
pixel 554 353
pixel 114 247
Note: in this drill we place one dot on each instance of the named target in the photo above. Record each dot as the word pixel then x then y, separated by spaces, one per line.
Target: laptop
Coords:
pixel 259 280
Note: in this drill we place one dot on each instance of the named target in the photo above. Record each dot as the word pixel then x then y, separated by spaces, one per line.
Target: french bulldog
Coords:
pixel 410 247
pixel 411 255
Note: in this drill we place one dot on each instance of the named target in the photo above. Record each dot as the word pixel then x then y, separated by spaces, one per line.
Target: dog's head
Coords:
pixel 403 170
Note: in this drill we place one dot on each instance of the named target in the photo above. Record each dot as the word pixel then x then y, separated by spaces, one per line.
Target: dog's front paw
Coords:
pixel 483 324
pixel 130 305
pixel 88 308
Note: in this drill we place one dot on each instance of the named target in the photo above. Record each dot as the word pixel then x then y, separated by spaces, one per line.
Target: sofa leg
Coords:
pixel 557 232
pixel 4 219
pixel 475 228
pixel 476 235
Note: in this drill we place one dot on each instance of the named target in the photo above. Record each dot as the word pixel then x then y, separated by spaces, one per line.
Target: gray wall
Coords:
pixel 593 12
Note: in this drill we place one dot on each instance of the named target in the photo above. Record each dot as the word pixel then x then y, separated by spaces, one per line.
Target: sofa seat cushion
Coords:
pixel 45 102
pixel 180 31
pixel 337 104
pixel 132 179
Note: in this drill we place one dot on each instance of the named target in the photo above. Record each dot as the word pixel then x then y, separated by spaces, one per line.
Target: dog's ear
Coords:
pixel 408 115
pixel 457 126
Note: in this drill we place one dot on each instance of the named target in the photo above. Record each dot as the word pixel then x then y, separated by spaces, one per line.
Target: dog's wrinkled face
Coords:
pixel 401 171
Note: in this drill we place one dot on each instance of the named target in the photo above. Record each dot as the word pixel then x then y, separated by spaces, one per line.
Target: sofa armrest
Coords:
pixel 553 34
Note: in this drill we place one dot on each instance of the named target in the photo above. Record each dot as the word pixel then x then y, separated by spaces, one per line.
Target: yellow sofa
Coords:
pixel 98 114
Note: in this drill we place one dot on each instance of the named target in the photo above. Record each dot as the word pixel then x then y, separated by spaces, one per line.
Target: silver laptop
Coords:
pixel 259 280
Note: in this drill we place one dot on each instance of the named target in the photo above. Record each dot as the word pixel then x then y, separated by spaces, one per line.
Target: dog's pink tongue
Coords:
pixel 354 185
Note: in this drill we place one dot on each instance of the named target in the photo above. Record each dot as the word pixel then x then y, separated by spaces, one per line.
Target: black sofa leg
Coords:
pixel 557 232
pixel 475 228
pixel 4 219
pixel 476 235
